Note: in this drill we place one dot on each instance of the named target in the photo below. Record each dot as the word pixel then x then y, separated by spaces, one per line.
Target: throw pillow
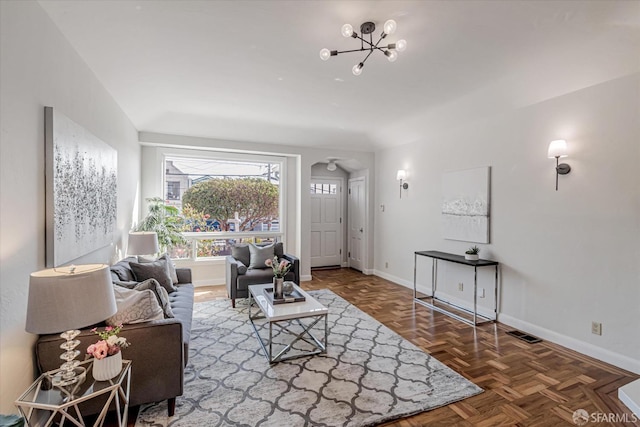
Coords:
pixel 129 284
pixel 153 270
pixel 171 266
pixel 241 253
pixel 134 307
pixel 161 295
pixel 259 255
pixel 242 269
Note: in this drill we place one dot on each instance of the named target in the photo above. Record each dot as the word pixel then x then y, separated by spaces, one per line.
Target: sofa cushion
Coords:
pixel 134 307
pixel 181 301
pixel 259 276
pixel 260 254
pixel 153 270
pixel 167 258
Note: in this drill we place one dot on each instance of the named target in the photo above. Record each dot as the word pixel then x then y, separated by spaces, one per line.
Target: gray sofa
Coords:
pixel 159 349
pixel 238 276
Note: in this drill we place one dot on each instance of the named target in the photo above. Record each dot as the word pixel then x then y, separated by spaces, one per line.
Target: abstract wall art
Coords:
pixel 81 190
pixel 466 205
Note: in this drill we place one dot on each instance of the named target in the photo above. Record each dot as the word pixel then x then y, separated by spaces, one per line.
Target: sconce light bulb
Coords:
pixel 325 54
pixel 392 55
pixel 357 69
pixel 401 45
pixel 390 27
pixel 347 30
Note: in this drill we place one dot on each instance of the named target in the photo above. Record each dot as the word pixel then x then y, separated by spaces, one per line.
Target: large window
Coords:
pixel 223 201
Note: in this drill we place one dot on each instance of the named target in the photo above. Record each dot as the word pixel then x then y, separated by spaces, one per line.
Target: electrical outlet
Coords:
pixel 460 286
pixel 481 293
pixel 386 265
pixel 596 328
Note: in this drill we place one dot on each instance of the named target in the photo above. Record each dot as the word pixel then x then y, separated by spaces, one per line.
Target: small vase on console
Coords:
pixel 277 287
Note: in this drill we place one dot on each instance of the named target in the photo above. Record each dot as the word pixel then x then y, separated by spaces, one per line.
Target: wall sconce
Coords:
pixel 402 176
pixel 557 149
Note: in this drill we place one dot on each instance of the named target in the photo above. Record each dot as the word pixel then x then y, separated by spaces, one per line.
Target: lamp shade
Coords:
pixel 331 166
pixel 557 148
pixel 67 298
pixel 402 174
pixel 143 243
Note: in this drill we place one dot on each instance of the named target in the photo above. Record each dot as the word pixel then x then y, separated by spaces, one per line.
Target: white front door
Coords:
pixel 326 222
pixel 356 223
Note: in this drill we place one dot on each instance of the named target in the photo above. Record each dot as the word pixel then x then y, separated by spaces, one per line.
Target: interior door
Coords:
pixel 326 222
pixel 356 223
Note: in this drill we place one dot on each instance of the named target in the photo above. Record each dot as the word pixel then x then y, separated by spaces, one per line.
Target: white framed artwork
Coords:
pixel 81 190
pixel 466 205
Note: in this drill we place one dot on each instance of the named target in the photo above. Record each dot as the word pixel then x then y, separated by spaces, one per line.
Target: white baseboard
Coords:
pixel 209 282
pixel 619 360
pixel 591 350
pixel 305 278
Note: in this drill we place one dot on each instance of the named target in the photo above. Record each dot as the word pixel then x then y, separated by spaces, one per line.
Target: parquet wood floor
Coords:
pixel 525 384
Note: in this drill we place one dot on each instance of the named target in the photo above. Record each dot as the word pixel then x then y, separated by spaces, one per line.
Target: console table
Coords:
pixel 458 259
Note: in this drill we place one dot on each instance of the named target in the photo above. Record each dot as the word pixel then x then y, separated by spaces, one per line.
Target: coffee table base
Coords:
pixel 319 347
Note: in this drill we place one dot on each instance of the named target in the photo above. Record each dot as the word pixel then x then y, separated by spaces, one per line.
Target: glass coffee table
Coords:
pixel 295 322
pixel 44 404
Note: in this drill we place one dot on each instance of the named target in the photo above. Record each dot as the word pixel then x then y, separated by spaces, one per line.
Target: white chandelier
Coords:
pixel 390 51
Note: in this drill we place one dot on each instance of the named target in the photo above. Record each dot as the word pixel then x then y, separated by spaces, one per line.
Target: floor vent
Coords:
pixel 328 267
pixel 524 337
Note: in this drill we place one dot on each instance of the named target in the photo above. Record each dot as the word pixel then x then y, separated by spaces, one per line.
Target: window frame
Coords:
pixel 194 237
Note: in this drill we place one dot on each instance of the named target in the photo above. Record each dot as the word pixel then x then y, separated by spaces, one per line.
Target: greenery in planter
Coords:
pixel 473 250
pixel 165 221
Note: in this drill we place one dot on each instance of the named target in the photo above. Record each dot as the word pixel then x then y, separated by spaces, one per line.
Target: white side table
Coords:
pixel 43 404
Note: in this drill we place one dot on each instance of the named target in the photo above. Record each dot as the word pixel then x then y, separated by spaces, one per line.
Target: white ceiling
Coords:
pixel 250 70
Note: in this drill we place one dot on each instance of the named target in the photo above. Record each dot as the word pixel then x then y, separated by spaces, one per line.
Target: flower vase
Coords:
pixel 107 368
pixel 277 287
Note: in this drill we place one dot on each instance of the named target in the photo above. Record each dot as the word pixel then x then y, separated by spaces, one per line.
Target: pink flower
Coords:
pixel 268 263
pixel 91 349
pixel 283 265
pixel 108 328
pixel 101 350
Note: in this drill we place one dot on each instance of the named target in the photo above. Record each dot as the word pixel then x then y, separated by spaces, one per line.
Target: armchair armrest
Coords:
pixel 295 261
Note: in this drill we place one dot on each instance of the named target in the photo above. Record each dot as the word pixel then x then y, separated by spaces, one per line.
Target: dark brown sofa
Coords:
pixel 159 350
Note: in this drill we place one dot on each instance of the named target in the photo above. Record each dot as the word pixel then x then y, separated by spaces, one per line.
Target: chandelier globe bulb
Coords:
pixel 325 54
pixel 347 30
pixel 392 55
pixel 390 27
pixel 401 45
pixel 357 69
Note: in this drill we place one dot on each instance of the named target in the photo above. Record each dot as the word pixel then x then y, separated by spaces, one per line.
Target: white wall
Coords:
pixel 299 165
pixel 568 257
pixel 39 68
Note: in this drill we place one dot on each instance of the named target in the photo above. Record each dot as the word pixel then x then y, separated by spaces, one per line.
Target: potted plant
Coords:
pixel 165 221
pixel 472 253
pixel 106 353
pixel 280 269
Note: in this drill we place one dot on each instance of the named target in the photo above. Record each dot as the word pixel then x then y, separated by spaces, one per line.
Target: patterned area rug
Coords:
pixel 369 375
